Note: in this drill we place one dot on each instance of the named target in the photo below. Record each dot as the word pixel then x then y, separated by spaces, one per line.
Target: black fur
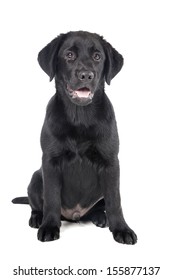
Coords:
pixel 79 177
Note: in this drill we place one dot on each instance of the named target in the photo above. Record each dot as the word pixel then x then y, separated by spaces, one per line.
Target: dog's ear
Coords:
pixel 47 56
pixel 113 63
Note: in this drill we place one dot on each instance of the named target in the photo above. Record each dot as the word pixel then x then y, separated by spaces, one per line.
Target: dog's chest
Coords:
pixel 83 151
pixel 81 159
pixel 79 143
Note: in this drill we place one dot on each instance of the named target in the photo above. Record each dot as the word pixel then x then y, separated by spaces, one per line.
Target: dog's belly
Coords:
pixel 80 189
pixel 76 213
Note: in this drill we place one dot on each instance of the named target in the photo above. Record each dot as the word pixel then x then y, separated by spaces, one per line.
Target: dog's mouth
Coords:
pixel 83 92
pixel 81 95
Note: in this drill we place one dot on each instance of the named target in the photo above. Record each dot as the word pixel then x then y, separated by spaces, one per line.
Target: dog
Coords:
pixel 79 176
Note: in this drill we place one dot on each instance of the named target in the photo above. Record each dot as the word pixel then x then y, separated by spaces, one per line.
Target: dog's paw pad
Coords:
pixel 126 236
pixel 48 233
pixel 35 220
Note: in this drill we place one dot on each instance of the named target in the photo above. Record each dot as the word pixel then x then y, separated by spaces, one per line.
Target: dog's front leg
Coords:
pixel 109 181
pixel 49 229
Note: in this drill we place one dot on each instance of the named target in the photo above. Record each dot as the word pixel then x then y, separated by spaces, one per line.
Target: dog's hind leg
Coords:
pixel 35 195
pixel 97 215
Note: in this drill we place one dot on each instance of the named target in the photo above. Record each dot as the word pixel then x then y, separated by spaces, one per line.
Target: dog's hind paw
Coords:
pixel 99 219
pixel 47 233
pixel 35 219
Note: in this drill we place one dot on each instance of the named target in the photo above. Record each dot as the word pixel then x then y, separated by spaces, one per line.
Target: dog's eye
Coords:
pixel 70 55
pixel 96 56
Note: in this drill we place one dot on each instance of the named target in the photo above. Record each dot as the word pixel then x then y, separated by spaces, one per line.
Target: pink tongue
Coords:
pixel 82 93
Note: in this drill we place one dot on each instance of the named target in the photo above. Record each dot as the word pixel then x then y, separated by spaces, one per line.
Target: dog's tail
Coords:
pixel 20 200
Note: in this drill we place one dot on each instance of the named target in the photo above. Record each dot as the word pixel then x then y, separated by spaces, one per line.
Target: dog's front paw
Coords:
pixel 125 236
pixel 47 233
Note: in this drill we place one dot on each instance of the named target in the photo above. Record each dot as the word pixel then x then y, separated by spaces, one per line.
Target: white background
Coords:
pixel 142 97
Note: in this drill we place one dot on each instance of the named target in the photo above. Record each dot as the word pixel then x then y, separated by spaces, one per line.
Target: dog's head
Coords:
pixel 81 61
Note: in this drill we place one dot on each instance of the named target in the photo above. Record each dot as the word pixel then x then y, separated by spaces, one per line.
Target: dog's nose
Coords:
pixel 85 76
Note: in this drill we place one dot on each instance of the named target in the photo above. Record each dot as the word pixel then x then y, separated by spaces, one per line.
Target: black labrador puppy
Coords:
pixel 79 177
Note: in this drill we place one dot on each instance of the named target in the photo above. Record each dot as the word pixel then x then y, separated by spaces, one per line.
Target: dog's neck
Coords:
pixel 78 115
